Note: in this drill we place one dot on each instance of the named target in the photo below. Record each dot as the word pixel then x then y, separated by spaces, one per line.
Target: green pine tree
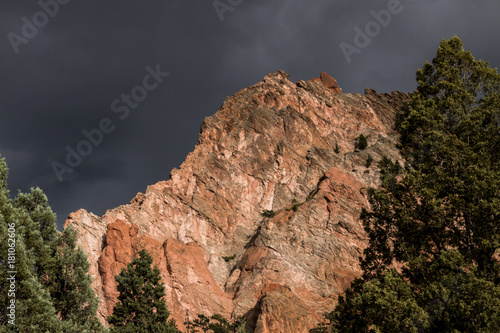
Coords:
pixel 34 311
pixel 141 306
pixel 216 324
pixel 437 216
pixel 70 286
pixel 55 291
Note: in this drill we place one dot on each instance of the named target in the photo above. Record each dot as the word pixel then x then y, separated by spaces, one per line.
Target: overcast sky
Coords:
pixel 69 69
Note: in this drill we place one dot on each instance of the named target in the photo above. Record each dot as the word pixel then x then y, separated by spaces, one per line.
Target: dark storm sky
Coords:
pixel 66 75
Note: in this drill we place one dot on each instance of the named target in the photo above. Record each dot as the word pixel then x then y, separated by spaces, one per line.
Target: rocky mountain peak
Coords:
pixel 261 219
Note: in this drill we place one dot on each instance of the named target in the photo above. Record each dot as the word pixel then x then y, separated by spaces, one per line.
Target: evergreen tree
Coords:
pixel 39 231
pixel 141 306
pixel 436 217
pixel 54 292
pixel 70 286
pixel 60 265
pixel 34 311
pixel 202 323
pixel 216 324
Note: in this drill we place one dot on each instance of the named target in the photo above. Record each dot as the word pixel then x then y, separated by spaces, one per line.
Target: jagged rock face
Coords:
pixel 270 148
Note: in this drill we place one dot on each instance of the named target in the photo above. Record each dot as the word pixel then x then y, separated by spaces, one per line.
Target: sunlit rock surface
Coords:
pixel 269 148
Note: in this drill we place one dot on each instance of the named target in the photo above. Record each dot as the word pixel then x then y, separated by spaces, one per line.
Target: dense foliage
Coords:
pixel 433 260
pixel 215 324
pixel 45 283
pixel 141 306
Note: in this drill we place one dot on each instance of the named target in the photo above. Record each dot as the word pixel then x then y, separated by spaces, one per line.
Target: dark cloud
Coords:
pixel 65 78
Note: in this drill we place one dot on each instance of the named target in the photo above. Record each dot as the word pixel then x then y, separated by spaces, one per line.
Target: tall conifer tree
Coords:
pixel 54 289
pixel 70 286
pixel 141 307
pixel 438 216
pixel 34 311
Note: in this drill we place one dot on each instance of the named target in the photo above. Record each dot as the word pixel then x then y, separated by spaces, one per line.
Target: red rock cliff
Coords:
pixel 270 147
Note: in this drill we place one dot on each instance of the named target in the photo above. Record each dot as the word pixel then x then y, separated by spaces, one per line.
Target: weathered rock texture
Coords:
pixel 270 148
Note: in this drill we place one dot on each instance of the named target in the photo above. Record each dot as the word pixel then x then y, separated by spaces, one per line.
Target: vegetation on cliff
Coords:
pixel 432 264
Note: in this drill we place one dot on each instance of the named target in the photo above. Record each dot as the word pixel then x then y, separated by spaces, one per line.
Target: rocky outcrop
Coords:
pixel 262 218
pixel 328 82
